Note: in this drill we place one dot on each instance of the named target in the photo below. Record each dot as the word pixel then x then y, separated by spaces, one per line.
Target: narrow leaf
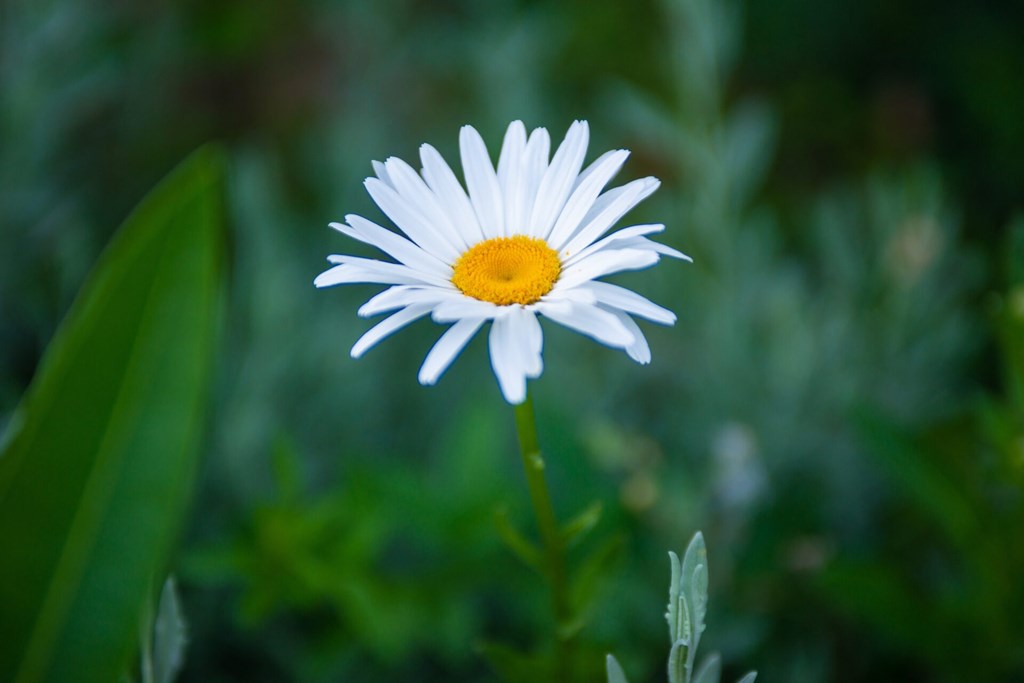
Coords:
pixel 699 593
pixel 615 672
pixel 516 542
pixel 672 613
pixel 694 586
pixel 100 456
pixel 580 525
pixel 710 670
pixel 685 626
pixel 696 554
pixel 586 580
pixel 169 635
pixel 748 678
pixel 677 657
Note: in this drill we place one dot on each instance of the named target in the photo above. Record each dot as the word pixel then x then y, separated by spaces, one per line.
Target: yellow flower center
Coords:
pixel 508 270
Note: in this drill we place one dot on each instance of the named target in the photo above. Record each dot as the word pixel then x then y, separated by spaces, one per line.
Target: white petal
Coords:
pixel 594 165
pixel 382 173
pixel 386 327
pixel 464 307
pixel 549 303
pixel 605 263
pixel 576 294
pixel 558 179
pixel 513 145
pixel 408 183
pixel 409 219
pixel 388 300
pixel 404 295
pixel 591 321
pixel 512 179
pixel 628 244
pixel 598 222
pixel 482 181
pixel 447 348
pixel 392 244
pixel 535 164
pixel 347 274
pixel 582 198
pixel 441 179
pixel 639 350
pixel 650 184
pixel 381 272
pixel 658 247
pixel 613 239
pixel 613 296
pixel 527 328
pixel 506 359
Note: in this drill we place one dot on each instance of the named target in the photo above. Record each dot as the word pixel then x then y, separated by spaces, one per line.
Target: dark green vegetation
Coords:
pixel 840 407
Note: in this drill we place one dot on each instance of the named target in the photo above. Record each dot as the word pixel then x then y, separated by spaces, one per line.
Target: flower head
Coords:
pixel 529 238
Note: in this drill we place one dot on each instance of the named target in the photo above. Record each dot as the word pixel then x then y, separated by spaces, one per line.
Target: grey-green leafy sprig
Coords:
pixel 687 607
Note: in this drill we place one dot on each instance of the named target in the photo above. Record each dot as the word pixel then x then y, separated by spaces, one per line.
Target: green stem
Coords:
pixel 550 532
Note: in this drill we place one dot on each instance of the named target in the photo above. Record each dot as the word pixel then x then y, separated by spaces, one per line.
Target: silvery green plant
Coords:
pixel 687 607
pixel 163 636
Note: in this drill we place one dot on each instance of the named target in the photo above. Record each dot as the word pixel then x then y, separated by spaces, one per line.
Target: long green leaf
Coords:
pixel 99 458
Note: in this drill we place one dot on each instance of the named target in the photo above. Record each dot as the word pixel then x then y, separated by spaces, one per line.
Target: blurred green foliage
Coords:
pixel 839 407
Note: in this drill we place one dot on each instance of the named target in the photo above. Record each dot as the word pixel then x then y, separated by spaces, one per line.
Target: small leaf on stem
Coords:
pixel 580 525
pixel 516 542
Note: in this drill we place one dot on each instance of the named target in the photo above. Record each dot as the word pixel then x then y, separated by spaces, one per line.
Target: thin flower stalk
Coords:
pixel 550 534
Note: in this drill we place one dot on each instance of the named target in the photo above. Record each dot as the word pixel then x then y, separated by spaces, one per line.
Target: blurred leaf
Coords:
pixel 99 459
pixel 876 595
pixel 579 526
pixel 615 672
pixel 586 579
pixel 570 629
pixel 710 670
pixel 515 666
pixel 748 148
pixel 911 468
pixel 516 542
pixel 749 677
pixel 169 635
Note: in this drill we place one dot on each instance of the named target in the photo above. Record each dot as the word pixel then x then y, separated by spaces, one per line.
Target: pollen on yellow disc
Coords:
pixel 508 270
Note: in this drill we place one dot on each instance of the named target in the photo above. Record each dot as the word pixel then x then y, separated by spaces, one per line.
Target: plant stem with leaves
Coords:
pixel 550 533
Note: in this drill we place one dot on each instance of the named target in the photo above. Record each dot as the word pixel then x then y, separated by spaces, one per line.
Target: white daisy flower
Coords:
pixel 529 239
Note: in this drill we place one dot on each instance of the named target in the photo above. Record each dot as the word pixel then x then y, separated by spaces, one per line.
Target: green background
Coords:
pixel 840 407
